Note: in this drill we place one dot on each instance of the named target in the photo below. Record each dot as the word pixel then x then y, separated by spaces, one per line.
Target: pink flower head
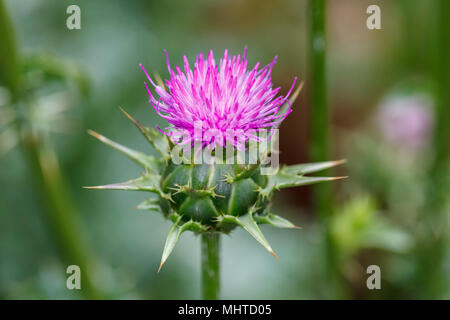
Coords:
pixel 218 103
pixel 406 121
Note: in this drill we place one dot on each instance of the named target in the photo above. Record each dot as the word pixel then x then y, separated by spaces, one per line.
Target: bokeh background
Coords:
pixel 388 96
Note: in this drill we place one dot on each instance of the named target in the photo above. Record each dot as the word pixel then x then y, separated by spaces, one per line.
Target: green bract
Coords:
pixel 209 197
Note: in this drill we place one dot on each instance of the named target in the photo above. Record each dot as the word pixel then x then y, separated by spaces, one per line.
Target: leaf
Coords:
pixel 194 227
pixel 275 221
pixel 147 182
pixel 174 234
pixel 286 178
pixel 245 171
pixel 53 67
pixel 140 158
pixel 248 224
pixel 171 241
pixel 306 168
pixel 285 181
pixel 386 236
pixel 357 224
pixel 158 141
pixel 151 204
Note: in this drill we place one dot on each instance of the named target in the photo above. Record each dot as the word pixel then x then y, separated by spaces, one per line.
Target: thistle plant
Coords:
pixel 215 171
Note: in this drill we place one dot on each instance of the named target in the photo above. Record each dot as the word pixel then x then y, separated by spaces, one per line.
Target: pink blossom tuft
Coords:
pixel 218 103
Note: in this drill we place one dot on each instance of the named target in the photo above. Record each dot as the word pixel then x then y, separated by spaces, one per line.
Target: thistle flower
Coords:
pixel 214 198
pixel 221 98
pixel 406 121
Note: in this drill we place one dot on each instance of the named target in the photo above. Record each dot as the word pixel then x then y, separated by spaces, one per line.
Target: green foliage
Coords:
pixel 35 93
pixel 358 225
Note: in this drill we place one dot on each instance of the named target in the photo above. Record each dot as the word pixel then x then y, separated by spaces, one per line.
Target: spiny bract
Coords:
pixel 215 197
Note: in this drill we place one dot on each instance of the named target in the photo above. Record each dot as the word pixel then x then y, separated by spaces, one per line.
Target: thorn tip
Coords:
pixel 338 162
pixel 338 178
pixel 160 266
pixel 94 134
pixel 274 254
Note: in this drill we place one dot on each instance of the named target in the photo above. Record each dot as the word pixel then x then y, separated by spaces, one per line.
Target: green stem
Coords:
pixel 441 72
pixel 319 109
pixel 9 62
pixel 210 265
pixel 411 52
pixel 319 134
pixel 59 214
pixel 432 244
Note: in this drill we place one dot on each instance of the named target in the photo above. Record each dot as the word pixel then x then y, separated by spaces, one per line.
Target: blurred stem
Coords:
pixel 442 77
pixel 9 62
pixel 59 215
pixel 410 46
pixel 319 128
pixel 210 265
pixel 433 242
pixel 319 110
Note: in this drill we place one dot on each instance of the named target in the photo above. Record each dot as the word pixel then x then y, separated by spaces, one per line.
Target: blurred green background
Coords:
pixel 388 98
